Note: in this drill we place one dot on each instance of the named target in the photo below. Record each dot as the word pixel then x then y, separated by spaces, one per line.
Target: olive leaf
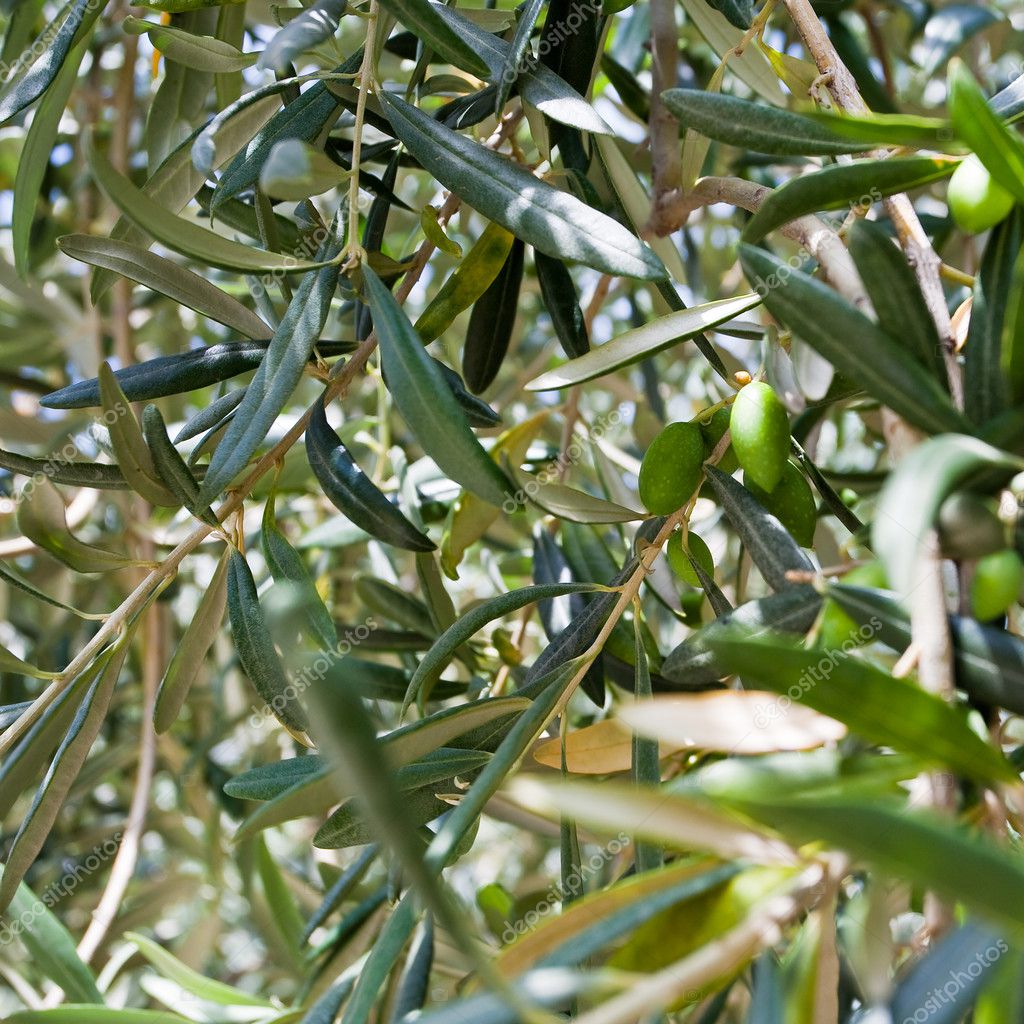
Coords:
pixel 552 221
pixel 424 400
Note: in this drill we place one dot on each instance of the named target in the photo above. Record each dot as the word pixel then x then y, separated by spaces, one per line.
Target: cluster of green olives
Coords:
pixel 758 426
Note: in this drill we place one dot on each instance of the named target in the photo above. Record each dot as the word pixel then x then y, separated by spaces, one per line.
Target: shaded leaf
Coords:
pixel 352 492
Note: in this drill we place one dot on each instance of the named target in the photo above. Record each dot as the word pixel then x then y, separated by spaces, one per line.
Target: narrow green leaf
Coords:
pixel 843 185
pixel 463 629
pixel 932 852
pixel 192 981
pixel 352 492
pixel 989 662
pixel 646 769
pixel 693 666
pixel 260 661
pixel 537 84
pixel 85 1014
pixel 161 275
pixel 985 390
pixel 174 375
pixel 518 54
pixel 201 53
pixel 877 706
pixel 568 503
pixel 74 474
pixel 35 157
pixel 644 341
pixel 425 402
pixel 554 222
pixel 492 322
pixel 422 18
pixel 41 518
pixel 192 649
pixel 856 346
pixel 67 763
pixel 910 499
pixel 51 947
pixel 128 443
pixel 773 550
pixel 286 565
pixel 184 236
pixel 899 305
pixel 312 26
pixel 998 148
pixel 563 306
pixel 51 50
pixel 277 377
pixel 749 125
pixel 171 467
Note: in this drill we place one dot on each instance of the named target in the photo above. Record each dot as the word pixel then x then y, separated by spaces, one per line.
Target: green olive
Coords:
pixel 681 564
pixel 836 629
pixel 712 430
pixel 968 527
pixel 791 501
pixel 976 202
pixel 997 581
pixel 671 468
pixel 760 434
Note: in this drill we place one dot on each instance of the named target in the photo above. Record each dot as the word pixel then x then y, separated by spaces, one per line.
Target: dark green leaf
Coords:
pixel 352 492
pixel 562 302
pixel 492 321
pixel 67 763
pixel 910 500
pixel 998 148
pixel 426 404
pixel 899 305
pixel 277 377
pixel 316 23
pixel 255 647
pixel 857 184
pixel 879 707
pixel 425 21
pixel 985 390
pixel 773 550
pixel 856 346
pixel 554 222
pixel 174 375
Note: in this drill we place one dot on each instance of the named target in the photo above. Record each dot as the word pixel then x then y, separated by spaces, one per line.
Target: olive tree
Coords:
pixel 510 511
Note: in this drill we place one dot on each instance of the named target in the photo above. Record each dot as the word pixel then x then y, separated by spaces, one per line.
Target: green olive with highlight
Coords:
pixel 976 201
pixel 760 434
pixel 791 501
pixel 996 584
pixel 672 468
